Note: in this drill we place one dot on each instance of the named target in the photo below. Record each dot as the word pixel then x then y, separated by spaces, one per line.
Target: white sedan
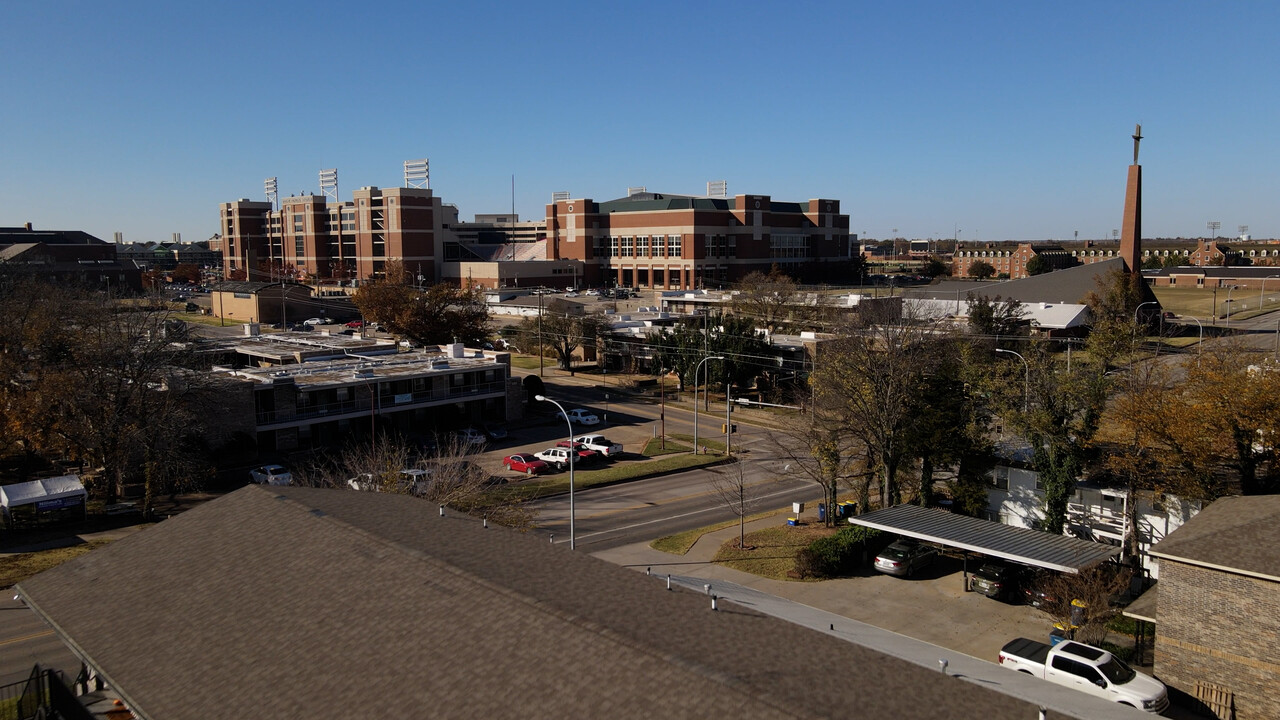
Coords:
pixel 271 475
pixel 583 417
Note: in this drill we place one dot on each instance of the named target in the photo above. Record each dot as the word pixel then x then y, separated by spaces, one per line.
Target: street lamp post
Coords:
pixel 1199 345
pixel 1135 310
pixel 1229 289
pixel 1262 288
pixel 1026 382
pixel 572 451
pixel 695 397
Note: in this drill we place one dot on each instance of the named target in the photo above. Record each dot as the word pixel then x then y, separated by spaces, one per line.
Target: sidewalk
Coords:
pixel 827 606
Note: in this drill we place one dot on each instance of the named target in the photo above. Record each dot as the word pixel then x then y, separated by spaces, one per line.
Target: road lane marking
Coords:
pixel 24 638
pixel 673 517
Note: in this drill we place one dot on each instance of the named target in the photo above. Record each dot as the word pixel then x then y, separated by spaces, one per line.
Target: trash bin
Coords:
pixel 1057 635
pixel 822 512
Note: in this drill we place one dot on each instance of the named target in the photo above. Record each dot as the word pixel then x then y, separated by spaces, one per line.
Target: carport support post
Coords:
pixel 965 570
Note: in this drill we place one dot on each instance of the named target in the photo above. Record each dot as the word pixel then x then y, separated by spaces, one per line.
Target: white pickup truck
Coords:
pixel 600 444
pixel 1087 668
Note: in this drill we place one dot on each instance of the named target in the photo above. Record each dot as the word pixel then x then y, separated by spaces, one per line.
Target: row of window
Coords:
pixel 642 246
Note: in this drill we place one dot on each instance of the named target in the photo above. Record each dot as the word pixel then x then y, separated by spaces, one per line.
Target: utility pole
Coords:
pixel 540 336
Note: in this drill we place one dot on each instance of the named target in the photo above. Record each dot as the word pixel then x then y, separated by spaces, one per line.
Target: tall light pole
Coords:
pixel 1262 288
pixel 1135 310
pixel 572 451
pixel 1199 345
pixel 695 397
pixel 1026 382
pixel 1229 289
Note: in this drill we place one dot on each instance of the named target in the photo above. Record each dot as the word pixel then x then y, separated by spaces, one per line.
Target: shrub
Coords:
pixel 837 554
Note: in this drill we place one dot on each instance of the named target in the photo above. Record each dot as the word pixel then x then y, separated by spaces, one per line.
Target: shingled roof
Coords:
pixel 301 602
pixel 1236 534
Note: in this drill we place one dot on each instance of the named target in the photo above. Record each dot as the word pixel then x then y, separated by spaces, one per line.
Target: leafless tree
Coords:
pixel 741 497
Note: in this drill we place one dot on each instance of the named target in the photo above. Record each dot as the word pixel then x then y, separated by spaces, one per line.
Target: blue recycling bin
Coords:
pixel 822 512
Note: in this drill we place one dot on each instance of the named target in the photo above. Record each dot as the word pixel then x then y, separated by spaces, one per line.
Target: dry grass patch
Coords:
pixel 771 552
pixel 19 566
pixel 680 543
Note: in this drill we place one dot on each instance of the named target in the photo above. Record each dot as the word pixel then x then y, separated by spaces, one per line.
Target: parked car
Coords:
pixel 593 293
pixel 998 580
pixel 583 417
pixel 312 322
pixel 356 324
pixel 1034 592
pixel 1088 669
pixel 571 294
pixel 558 457
pixel 600 444
pixel 495 432
pixel 525 463
pixel 271 475
pixel 904 557
pixel 471 436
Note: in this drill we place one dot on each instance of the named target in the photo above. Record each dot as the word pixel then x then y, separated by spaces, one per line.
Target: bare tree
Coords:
pixel 1083 600
pixel 741 497
pixel 451 478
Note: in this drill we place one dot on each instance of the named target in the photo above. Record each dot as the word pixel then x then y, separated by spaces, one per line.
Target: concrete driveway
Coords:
pixel 932 606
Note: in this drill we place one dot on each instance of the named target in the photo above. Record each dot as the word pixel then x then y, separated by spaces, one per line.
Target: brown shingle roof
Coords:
pixel 1239 533
pixel 299 602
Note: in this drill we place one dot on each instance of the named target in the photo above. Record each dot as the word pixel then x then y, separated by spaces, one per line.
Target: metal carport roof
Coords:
pixel 1029 547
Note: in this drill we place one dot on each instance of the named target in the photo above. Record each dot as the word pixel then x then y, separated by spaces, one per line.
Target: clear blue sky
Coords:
pixel 1005 120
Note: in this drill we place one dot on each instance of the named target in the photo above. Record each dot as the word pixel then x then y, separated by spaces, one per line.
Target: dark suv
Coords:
pixel 997 580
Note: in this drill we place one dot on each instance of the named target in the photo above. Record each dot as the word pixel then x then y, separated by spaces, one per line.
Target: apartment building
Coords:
pixel 680 242
pixel 318 391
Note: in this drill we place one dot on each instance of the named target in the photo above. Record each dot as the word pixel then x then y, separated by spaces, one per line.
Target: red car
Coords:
pixel 355 324
pixel 525 463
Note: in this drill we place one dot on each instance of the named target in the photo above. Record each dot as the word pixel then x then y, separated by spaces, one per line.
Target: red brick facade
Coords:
pixel 309 237
pixel 681 243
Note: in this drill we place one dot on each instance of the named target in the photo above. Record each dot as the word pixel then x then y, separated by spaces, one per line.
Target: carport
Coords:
pixel 1020 545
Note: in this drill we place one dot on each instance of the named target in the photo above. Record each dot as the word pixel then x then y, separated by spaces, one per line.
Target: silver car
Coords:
pixel 904 557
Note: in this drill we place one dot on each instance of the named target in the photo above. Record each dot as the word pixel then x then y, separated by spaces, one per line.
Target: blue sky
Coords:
pixel 1001 120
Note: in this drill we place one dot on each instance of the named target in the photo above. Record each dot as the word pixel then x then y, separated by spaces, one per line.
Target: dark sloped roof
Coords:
pixel 1239 533
pixel 295 602
pixel 1030 547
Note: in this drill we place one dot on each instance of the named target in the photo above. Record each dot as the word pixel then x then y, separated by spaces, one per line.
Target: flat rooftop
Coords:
pixel 355 367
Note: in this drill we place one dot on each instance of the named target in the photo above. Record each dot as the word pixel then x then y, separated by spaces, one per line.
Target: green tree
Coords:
pixel 933 267
pixel 1037 265
pixel 996 317
pixel 981 269
pixel 562 332
pixel 439 314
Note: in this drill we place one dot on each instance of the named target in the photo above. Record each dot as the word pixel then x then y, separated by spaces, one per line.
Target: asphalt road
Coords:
pixel 25 640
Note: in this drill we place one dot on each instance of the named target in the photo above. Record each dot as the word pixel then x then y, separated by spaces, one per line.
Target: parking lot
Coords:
pixel 931 606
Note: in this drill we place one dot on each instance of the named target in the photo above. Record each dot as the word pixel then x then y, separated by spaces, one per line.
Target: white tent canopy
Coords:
pixel 46 494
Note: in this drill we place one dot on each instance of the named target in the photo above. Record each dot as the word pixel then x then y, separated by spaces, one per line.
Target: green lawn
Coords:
pixel 680 543
pixel 771 552
pixel 1200 302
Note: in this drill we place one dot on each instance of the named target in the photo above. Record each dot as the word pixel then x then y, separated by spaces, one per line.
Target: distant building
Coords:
pixel 679 242
pixel 67 256
pixel 645 240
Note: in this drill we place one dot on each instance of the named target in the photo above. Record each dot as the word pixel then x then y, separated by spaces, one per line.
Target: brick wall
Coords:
pixel 1221 628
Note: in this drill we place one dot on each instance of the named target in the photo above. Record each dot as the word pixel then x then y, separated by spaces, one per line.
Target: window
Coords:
pixel 673 246
pixel 1000 477
pixel 297 224
pixel 614 246
pixel 628 247
pixel 642 246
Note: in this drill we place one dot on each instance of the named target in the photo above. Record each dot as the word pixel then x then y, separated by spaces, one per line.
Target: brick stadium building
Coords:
pixel 645 240
pixel 313 237
pixel 679 242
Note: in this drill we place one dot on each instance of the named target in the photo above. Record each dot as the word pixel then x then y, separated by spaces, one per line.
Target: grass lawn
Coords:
pixel 20 566
pixel 771 552
pixel 680 543
pixel 1199 302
